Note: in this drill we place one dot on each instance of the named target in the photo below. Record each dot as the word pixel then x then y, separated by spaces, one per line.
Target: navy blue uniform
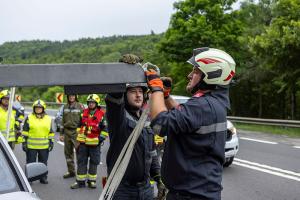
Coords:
pixel 194 152
pixel 143 163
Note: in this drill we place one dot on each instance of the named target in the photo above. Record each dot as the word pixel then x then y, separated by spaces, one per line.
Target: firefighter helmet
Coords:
pixel 93 97
pixel 217 66
pixel 4 93
pixel 39 103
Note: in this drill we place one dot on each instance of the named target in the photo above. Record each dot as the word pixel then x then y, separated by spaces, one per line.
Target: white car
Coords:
pixel 14 184
pixel 232 140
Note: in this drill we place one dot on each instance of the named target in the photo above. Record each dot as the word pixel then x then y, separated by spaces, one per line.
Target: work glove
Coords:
pixel 51 145
pixel 162 190
pixel 24 146
pixel 154 82
pixel 167 83
pixel 130 59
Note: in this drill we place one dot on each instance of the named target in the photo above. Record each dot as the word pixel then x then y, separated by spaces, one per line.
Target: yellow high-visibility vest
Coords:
pixel 3 121
pixel 39 132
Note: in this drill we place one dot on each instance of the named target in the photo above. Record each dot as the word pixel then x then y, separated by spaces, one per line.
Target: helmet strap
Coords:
pixel 201 85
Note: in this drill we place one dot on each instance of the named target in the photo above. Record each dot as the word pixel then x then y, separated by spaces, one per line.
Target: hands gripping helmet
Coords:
pixel 93 97
pixel 4 93
pixel 217 66
pixel 39 103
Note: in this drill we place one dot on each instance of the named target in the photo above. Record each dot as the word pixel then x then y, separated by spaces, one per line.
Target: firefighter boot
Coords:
pixel 92 184
pixel 68 175
pixel 78 184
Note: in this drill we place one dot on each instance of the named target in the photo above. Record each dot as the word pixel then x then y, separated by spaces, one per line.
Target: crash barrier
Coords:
pixel 272 122
pixel 246 120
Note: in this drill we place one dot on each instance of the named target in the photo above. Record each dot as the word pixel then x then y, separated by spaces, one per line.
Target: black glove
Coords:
pixel 51 145
pixel 167 83
pixel 24 146
pixel 162 190
pixel 130 59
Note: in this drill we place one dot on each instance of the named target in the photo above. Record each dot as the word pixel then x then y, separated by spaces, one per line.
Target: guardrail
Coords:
pixel 273 122
pixel 246 120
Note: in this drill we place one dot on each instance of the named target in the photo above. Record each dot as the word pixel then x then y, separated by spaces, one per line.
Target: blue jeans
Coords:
pixel 129 192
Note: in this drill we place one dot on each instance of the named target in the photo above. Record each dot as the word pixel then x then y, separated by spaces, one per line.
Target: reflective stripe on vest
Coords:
pixel 3 120
pixel 39 132
pixel 217 127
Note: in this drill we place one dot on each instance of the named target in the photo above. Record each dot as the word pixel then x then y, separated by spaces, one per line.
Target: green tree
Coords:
pixel 279 47
pixel 199 23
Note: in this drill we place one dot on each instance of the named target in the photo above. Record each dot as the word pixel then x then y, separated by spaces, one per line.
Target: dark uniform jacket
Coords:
pixel 194 152
pixel 144 161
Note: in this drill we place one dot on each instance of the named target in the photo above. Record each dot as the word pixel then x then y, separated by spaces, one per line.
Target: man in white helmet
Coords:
pixel 194 154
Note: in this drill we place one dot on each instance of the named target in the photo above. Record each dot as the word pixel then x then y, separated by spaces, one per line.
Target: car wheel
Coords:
pixel 228 162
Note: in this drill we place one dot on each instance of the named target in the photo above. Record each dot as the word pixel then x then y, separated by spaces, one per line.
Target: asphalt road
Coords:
pixel 267 167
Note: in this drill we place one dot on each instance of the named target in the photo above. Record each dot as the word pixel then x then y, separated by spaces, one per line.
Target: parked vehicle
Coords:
pixel 232 140
pixel 14 183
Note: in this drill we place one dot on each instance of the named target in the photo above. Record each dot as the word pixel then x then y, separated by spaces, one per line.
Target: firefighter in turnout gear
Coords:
pixel 4 102
pixel 38 135
pixel 68 132
pixel 123 112
pixel 193 160
pixel 91 134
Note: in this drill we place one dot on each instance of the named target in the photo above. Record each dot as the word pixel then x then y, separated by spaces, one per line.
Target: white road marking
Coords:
pixel 297 147
pixel 255 140
pixel 268 169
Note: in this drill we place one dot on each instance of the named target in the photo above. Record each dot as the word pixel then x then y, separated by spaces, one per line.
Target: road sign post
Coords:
pixel 59 97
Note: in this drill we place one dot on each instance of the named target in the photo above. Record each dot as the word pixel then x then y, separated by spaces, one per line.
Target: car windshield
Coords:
pixel 8 181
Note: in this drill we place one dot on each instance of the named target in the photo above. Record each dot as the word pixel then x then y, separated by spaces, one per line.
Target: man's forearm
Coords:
pixel 157 104
pixel 171 103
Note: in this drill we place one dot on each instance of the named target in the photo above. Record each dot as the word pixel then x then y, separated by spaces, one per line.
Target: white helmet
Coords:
pixel 217 66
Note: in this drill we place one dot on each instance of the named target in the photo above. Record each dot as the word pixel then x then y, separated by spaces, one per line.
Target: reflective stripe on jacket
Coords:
pixel 3 121
pixel 39 132
pixel 90 131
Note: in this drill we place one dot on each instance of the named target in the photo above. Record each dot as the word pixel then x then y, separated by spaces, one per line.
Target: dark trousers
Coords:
pixel 70 141
pixel 180 196
pixel 129 192
pixel 88 156
pixel 40 155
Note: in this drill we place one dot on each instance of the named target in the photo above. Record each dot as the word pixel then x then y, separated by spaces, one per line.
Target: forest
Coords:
pixel 262 36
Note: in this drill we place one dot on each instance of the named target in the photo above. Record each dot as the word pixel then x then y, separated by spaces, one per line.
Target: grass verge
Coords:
pixel 278 130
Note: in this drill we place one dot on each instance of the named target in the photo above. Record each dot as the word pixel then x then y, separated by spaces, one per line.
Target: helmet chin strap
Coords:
pixel 201 85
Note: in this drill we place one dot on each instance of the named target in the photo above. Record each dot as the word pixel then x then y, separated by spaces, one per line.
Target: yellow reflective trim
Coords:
pixel 81 177
pixel 104 133
pixel 92 177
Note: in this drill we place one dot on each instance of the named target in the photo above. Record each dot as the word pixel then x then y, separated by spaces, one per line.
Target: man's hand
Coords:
pixel 167 83
pixel 162 191
pixel 51 145
pixel 61 138
pixel 130 59
pixel 154 82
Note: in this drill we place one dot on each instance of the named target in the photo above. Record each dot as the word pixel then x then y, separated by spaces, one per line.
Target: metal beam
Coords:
pixel 78 78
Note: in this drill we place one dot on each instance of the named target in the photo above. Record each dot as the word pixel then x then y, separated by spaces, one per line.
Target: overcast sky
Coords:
pixel 74 19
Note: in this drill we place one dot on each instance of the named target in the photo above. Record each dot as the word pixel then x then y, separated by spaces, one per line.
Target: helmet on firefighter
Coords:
pixel 144 86
pixel 94 98
pixel 39 103
pixel 4 93
pixel 217 66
